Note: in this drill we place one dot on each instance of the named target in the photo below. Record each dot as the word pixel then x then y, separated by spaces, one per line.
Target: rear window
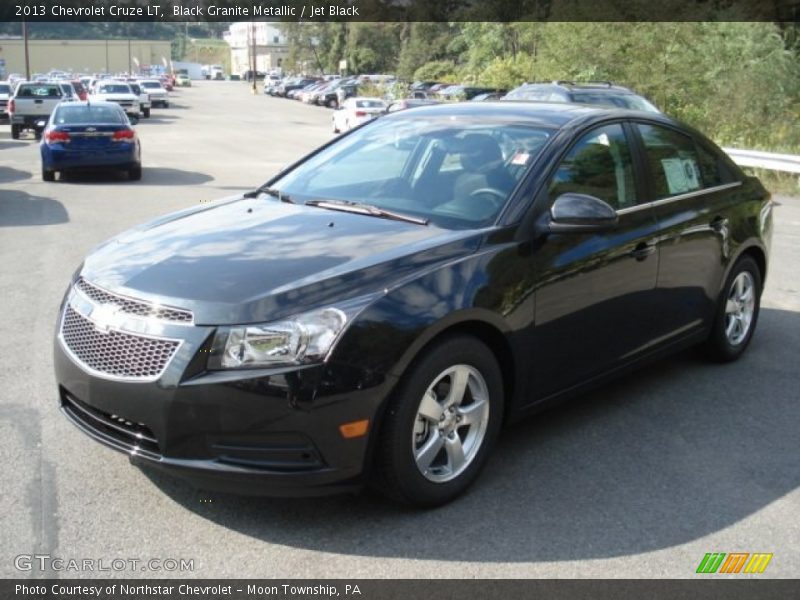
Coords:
pixel 150 85
pixel 107 88
pixel 84 115
pixel 630 101
pixel 5 89
pixel 39 91
pixel 370 104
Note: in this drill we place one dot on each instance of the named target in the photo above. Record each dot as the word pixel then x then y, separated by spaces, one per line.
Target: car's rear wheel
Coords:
pixel 135 173
pixel 146 113
pixel 737 313
pixel 441 424
pixel 332 103
pixel 15 130
pixel 48 175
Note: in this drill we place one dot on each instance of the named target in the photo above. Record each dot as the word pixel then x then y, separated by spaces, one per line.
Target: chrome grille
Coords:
pixel 130 306
pixel 116 354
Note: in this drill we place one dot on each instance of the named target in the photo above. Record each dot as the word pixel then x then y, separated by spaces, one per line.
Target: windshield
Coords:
pixel 107 88
pixel 151 85
pixel 630 101
pixel 458 173
pixel 85 114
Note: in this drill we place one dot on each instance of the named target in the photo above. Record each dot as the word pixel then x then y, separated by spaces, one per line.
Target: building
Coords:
pixel 271 48
pixel 83 56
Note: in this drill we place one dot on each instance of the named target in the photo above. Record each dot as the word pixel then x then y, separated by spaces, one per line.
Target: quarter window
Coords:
pixel 598 165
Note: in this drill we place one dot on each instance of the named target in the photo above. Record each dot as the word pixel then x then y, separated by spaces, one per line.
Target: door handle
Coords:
pixel 642 251
pixel 719 223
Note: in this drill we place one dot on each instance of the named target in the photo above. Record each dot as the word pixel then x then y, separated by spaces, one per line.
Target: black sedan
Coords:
pixel 377 311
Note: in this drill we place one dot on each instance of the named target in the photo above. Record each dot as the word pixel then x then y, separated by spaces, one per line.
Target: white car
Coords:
pixel 5 95
pixel 356 111
pixel 120 93
pixel 159 96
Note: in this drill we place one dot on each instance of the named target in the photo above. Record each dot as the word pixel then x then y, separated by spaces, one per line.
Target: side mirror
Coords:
pixel 579 213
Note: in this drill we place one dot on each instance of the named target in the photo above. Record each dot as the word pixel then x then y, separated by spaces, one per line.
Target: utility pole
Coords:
pixel 130 71
pixel 27 56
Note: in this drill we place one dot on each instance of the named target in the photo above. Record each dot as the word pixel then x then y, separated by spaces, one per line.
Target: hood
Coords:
pixel 254 260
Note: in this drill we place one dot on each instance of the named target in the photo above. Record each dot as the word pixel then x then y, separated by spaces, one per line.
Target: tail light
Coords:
pixel 124 135
pixel 361 113
pixel 11 105
pixel 56 137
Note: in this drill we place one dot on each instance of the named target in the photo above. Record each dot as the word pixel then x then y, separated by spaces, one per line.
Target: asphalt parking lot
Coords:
pixel 639 479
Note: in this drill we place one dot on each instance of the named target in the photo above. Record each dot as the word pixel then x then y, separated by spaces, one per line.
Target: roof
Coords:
pixel 548 114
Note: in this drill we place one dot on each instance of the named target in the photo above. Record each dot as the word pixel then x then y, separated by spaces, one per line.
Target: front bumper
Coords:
pixel 272 433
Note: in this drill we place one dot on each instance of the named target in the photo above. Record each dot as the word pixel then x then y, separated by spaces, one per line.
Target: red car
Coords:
pixel 168 82
pixel 80 91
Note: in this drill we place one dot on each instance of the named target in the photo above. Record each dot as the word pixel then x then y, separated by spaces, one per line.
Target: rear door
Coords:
pixel 691 189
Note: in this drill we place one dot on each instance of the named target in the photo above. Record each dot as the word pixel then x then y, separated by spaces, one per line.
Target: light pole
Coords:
pixel 254 60
pixel 27 57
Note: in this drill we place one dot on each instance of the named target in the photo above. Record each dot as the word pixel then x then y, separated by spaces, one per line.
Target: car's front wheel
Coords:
pixel 441 424
pixel 15 131
pixel 737 313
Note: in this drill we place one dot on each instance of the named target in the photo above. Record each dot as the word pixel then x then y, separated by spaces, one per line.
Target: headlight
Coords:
pixel 303 339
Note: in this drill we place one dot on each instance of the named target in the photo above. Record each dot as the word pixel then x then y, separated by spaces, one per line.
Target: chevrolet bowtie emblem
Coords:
pixel 104 316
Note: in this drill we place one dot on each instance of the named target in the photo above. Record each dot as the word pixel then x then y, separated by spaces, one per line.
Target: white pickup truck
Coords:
pixel 31 105
pixel 5 95
pixel 122 94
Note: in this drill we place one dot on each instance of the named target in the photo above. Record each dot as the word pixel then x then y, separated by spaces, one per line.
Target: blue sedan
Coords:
pixel 84 135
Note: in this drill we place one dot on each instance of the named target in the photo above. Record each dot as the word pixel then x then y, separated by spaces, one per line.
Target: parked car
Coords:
pixel 144 97
pixel 297 83
pixel 5 95
pixel 409 103
pixel 488 96
pixel 31 105
pixel 357 111
pixel 378 310
pixel 80 90
pixel 345 91
pixel 89 135
pixel 120 93
pixel 159 96
pixel 183 80
pixel 601 93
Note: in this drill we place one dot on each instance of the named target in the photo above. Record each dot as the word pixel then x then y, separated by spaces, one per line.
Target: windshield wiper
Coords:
pixel 269 191
pixel 366 209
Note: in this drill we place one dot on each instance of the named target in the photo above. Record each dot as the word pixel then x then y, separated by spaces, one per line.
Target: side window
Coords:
pixel 599 165
pixel 713 168
pixel 674 161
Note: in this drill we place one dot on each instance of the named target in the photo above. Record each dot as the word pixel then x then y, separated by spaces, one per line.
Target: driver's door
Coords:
pixel 594 295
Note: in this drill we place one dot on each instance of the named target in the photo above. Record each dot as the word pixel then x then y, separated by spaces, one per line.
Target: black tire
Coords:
pixel 15 129
pixel 166 104
pixel 48 175
pixel 719 346
pixel 146 113
pixel 335 129
pixel 332 103
pixel 396 472
pixel 37 134
pixel 135 173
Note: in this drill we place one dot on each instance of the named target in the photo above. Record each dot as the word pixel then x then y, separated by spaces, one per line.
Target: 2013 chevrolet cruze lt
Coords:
pixel 379 309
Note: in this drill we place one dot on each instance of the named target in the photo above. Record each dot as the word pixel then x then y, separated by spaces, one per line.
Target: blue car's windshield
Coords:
pixel 456 172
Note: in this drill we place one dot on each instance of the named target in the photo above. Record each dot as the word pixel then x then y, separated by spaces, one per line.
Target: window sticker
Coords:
pixel 681 175
pixel 520 158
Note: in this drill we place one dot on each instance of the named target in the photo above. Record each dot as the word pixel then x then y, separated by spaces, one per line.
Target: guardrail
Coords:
pixel 787 163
